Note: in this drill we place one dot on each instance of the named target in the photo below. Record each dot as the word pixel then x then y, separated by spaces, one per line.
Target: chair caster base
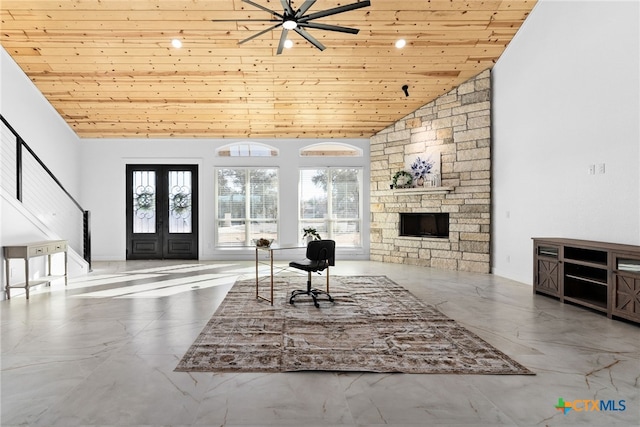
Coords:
pixel 313 293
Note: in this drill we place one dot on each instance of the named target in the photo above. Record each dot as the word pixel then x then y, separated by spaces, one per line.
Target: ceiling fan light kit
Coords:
pixel 289 24
pixel 298 21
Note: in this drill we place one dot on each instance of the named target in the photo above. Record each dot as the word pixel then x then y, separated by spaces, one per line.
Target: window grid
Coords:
pixel 247 206
pixel 330 201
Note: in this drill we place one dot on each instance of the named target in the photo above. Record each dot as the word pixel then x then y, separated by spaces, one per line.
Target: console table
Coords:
pixel 604 277
pixel 33 250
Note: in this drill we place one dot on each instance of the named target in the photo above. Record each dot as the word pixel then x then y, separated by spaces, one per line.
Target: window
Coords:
pixel 330 202
pixel 331 149
pixel 247 206
pixel 247 149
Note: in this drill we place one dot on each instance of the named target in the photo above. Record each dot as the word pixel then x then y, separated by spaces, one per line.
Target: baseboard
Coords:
pixel 524 279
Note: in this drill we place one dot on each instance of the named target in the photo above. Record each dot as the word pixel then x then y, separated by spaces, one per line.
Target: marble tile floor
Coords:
pixel 101 352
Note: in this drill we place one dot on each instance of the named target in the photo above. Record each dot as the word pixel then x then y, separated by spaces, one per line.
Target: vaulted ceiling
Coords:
pixel 110 70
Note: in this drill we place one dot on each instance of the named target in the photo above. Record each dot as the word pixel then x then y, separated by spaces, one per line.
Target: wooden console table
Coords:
pixel 33 250
pixel 604 277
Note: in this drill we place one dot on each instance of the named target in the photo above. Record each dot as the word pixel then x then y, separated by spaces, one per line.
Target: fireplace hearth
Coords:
pixel 432 225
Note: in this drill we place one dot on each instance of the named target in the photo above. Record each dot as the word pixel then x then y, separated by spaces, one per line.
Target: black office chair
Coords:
pixel 320 255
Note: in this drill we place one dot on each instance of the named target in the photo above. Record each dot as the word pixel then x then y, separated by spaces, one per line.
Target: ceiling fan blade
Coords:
pixel 305 6
pixel 260 33
pixel 283 38
pixel 244 20
pixel 337 28
pixel 273 12
pixel 287 7
pixel 335 10
pixel 309 38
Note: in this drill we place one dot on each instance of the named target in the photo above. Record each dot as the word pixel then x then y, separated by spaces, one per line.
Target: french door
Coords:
pixel 162 211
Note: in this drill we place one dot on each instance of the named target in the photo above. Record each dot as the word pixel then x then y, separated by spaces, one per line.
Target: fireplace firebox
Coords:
pixel 434 225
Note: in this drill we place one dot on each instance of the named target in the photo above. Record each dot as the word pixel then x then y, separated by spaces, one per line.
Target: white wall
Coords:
pixel 566 96
pixel 55 143
pixel 103 189
pixel 39 124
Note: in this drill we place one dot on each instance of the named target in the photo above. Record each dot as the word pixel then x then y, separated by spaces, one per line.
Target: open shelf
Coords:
pixel 36 282
pixel 589 291
pixel 589 256
pixel 585 272
pixel 585 279
pixel 590 303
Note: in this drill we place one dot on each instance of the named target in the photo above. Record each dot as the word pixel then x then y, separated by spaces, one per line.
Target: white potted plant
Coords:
pixel 310 234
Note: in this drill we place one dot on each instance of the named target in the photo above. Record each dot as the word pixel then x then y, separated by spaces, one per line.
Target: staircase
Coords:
pixel 35 205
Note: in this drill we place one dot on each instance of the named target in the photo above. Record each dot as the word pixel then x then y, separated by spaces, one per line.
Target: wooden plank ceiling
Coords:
pixel 108 66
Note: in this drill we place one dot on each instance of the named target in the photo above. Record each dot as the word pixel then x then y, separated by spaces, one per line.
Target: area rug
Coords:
pixel 374 325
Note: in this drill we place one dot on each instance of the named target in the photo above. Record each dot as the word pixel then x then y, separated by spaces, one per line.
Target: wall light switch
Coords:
pixel 601 168
pixel 592 169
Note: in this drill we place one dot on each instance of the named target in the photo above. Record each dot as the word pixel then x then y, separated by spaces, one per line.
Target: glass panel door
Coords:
pixel 144 202
pixel 162 212
pixel 180 216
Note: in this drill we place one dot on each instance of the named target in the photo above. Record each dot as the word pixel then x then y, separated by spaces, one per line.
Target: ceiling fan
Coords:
pixel 296 20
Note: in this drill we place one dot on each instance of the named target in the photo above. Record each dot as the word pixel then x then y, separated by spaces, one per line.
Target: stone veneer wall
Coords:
pixel 459 122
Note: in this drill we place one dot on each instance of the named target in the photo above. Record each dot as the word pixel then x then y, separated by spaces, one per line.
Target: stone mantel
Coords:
pixel 421 190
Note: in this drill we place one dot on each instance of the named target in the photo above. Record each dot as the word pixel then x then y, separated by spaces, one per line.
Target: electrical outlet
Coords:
pixel 592 169
pixel 601 168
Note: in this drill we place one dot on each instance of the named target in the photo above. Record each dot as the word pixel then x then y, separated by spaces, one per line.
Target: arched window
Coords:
pixel 247 149
pixel 331 149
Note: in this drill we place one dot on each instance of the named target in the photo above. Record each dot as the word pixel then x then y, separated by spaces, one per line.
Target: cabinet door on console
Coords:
pixel 547 272
pixel 626 288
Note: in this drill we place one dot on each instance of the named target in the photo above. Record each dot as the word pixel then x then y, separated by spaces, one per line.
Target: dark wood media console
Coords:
pixel 601 276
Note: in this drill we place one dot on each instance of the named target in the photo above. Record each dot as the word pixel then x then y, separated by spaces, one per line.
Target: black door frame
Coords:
pixel 162 244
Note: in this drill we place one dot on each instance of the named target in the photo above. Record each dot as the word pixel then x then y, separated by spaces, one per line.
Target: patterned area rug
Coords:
pixel 374 325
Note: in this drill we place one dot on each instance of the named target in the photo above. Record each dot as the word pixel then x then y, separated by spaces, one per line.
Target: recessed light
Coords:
pixel 176 43
pixel 401 43
pixel 288 44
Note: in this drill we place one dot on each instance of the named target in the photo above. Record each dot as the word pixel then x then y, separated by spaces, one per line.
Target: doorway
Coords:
pixel 162 212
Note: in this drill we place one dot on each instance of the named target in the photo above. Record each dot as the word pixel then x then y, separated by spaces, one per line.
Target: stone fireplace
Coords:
pixel 457 124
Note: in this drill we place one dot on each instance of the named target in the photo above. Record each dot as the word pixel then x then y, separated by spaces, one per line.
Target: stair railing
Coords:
pixel 25 176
